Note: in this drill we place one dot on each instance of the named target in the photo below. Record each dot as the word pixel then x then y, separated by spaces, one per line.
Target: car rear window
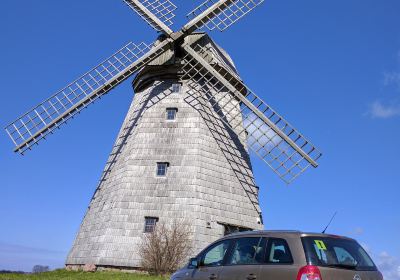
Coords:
pixel 336 252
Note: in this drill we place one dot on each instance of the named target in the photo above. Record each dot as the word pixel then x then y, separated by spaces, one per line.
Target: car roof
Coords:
pixel 283 234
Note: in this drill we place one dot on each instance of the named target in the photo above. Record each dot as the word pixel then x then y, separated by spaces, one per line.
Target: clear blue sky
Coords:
pixel 332 68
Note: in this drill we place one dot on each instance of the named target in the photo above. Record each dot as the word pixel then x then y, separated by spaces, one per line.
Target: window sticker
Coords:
pixel 320 244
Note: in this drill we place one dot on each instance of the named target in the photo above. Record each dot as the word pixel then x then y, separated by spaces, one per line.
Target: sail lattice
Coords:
pixel 269 135
pixel 34 125
pixel 162 10
pixel 224 15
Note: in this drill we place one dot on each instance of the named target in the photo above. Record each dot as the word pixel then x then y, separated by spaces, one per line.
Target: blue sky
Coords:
pixel 332 68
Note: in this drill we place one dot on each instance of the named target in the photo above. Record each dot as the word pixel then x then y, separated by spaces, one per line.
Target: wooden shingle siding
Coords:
pixel 209 179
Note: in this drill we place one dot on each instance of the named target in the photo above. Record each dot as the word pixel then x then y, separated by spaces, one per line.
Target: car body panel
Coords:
pixel 328 273
pixel 240 272
pixel 206 273
pixel 277 271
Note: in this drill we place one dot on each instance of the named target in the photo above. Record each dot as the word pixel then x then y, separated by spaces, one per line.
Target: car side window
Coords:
pixel 278 252
pixel 247 250
pixel 215 255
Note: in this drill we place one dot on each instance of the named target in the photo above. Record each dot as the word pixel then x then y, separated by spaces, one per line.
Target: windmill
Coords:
pixel 182 151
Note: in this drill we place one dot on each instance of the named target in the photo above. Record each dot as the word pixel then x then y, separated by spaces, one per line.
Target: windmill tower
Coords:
pixel 183 149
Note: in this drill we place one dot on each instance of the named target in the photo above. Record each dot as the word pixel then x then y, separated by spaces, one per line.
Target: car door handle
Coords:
pixel 212 277
pixel 251 277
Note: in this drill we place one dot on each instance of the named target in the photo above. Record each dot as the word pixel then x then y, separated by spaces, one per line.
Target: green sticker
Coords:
pixel 320 244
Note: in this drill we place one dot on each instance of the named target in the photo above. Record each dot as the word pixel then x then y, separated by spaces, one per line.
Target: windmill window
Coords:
pixel 171 113
pixel 176 88
pixel 229 229
pixel 150 224
pixel 162 168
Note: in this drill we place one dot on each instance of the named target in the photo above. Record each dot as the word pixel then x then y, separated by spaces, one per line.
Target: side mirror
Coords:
pixel 193 263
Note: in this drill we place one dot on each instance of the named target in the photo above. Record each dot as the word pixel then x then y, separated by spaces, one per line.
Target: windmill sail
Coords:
pixel 43 119
pixel 219 14
pixel 270 136
pixel 157 13
pixel 204 147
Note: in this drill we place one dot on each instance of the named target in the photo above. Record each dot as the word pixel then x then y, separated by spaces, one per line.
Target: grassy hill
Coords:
pixel 72 275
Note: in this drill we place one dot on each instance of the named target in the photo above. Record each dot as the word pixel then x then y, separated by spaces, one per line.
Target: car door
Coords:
pixel 278 261
pixel 244 259
pixel 211 261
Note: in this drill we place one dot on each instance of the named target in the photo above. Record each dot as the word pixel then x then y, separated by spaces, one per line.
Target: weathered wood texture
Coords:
pixel 209 180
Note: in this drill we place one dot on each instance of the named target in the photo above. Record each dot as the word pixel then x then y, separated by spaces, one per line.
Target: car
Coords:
pixel 283 255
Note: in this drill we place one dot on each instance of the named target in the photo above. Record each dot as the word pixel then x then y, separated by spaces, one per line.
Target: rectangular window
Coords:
pixel 278 251
pixel 247 250
pixel 228 229
pixel 162 168
pixel 150 224
pixel 171 113
pixel 176 88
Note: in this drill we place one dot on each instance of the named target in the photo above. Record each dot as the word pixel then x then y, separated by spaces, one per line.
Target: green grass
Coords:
pixel 73 275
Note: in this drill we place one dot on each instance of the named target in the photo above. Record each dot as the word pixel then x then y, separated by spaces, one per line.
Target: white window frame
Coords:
pixel 169 109
pixel 149 228
pixel 177 86
pixel 166 164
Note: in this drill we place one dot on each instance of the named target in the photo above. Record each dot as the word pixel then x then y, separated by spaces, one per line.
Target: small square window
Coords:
pixel 162 168
pixel 171 113
pixel 176 88
pixel 150 224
